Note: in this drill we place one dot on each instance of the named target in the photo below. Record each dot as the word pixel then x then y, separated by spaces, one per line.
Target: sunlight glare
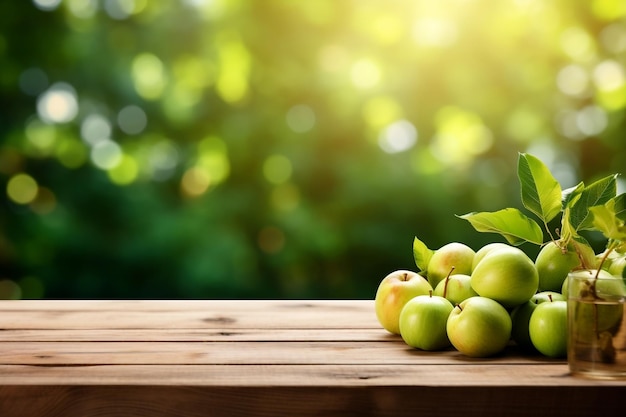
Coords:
pixel 365 74
pixel 399 136
pixel 58 104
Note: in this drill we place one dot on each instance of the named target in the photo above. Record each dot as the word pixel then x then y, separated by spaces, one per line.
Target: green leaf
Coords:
pixel 515 226
pixel 620 206
pixel 570 195
pixel 541 192
pixel 595 194
pixel 567 231
pixel 605 220
pixel 421 254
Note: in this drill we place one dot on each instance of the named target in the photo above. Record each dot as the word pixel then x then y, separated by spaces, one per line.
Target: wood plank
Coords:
pixel 218 305
pixel 328 401
pixel 323 353
pixel 177 315
pixel 460 374
pixel 196 335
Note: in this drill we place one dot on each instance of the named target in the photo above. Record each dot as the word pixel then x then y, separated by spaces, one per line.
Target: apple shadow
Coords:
pixel 511 352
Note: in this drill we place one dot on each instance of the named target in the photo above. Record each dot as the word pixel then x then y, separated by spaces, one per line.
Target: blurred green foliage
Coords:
pixel 284 149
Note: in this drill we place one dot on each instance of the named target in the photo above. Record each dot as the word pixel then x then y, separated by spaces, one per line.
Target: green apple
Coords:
pixel 591 310
pixel 488 248
pixel 606 258
pixel 479 327
pixel 617 266
pixel 554 262
pixel 423 322
pixel 548 328
pixel 520 317
pixel 454 256
pixel 593 284
pixel 455 288
pixel 393 292
pixel 506 275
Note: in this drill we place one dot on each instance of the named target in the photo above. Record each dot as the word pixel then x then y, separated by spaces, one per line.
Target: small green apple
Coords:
pixel 593 284
pixel 554 262
pixel 606 258
pixel 423 322
pixel 617 266
pixel 479 327
pixel 548 328
pixel 506 275
pixel 455 288
pixel 454 256
pixel 393 292
pixel 520 317
pixel 488 248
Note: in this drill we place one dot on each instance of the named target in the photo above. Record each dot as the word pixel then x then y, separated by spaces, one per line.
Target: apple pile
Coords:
pixel 479 302
pixel 491 300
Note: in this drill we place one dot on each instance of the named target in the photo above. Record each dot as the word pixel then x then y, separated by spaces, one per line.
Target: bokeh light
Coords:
pixel 234 68
pixel 95 128
pixel 33 81
pixel 148 76
pixel 9 290
pixel 106 154
pixel 609 75
pixel 125 171
pixel 132 120
pixel 58 104
pixel 300 118
pixel 47 5
pixel 83 9
pixel 399 136
pixel 365 73
pixel 163 158
pixel 573 80
pixel 195 182
pixel 277 169
pixel 434 32
pixel 22 188
pixel 461 135
pixel 225 148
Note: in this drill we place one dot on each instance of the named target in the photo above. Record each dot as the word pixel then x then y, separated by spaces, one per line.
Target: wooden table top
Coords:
pixel 268 358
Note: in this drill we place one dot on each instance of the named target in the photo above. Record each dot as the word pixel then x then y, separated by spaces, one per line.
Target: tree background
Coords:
pixel 284 149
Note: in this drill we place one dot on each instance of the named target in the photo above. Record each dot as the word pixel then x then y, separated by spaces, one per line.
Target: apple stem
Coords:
pixel 545 224
pixel 550 297
pixel 459 306
pixel 605 256
pixel 581 258
pixel 430 293
pixel 445 284
pixel 610 247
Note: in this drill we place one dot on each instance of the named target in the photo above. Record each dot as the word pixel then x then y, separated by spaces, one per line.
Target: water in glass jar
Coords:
pixel 597 338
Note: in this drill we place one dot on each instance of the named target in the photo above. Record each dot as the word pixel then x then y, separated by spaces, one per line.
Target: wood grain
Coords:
pixel 253 314
pixel 230 334
pixel 241 353
pixel 260 375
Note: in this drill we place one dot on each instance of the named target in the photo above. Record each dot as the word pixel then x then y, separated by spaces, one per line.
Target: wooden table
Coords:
pixel 266 358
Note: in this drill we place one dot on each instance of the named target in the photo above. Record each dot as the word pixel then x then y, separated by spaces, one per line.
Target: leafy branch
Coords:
pixel 583 207
pixel 593 207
